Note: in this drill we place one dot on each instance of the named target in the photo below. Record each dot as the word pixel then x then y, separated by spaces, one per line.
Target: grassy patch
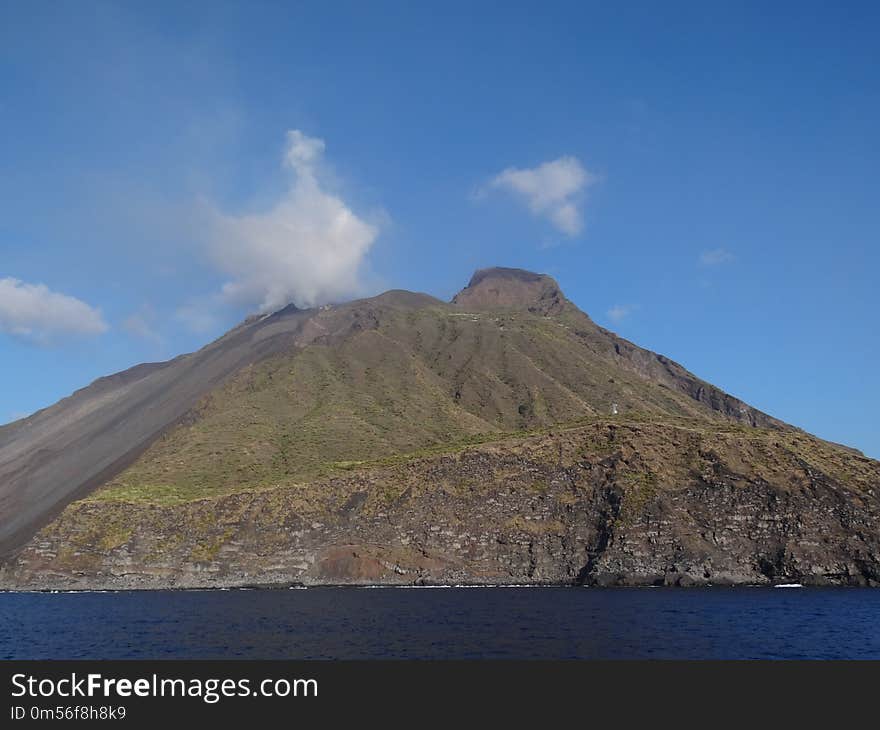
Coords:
pixel 535 527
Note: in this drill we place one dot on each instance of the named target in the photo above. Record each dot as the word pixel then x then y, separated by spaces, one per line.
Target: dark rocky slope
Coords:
pixel 69 449
pixel 608 503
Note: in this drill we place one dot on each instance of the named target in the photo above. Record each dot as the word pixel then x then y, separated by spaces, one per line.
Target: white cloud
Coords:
pixel 35 312
pixel 619 312
pixel 307 249
pixel 716 257
pixel 554 190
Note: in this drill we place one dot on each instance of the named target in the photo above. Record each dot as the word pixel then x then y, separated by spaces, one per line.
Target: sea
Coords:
pixel 445 623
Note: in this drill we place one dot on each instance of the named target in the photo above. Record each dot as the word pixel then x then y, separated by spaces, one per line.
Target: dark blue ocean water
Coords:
pixel 492 623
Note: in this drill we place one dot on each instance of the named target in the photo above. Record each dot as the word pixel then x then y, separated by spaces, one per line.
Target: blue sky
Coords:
pixel 701 179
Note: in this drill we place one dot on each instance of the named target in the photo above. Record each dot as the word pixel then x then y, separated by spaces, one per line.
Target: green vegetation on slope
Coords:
pixel 681 497
pixel 388 380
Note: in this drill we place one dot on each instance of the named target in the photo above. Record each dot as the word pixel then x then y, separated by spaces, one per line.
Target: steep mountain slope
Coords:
pixel 275 411
pixel 400 372
pixel 69 449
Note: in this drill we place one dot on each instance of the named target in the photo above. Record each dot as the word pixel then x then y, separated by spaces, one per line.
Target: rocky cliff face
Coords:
pixel 608 503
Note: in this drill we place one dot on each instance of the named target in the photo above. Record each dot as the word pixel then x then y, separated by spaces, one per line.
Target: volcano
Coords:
pixel 502 437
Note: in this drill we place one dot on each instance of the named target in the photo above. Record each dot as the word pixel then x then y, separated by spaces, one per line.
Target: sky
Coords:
pixel 699 177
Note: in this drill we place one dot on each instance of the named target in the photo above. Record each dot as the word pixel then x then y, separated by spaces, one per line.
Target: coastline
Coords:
pixel 280 587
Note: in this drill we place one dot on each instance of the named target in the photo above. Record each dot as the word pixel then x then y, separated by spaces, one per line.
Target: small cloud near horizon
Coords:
pixel 619 312
pixel 35 313
pixel 142 324
pixel 199 316
pixel 716 257
pixel 553 190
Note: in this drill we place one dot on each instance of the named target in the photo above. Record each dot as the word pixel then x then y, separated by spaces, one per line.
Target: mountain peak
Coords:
pixel 504 288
